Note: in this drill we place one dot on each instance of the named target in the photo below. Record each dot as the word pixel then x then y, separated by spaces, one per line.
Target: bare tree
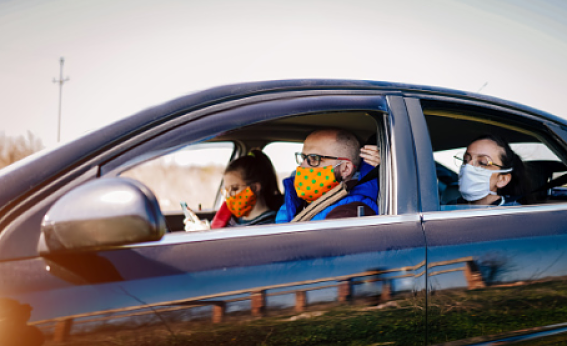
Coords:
pixel 494 268
pixel 13 149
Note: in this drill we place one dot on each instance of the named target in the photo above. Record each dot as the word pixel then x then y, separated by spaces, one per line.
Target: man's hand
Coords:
pixel 370 154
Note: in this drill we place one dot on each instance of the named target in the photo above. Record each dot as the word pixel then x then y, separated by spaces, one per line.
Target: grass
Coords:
pixel 465 314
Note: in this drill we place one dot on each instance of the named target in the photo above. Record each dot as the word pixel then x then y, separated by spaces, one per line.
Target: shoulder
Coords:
pixel 266 218
pixel 281 216
pixel 509 201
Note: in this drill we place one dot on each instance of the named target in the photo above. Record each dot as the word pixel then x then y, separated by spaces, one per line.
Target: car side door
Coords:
pixel 355 279
pixel 497 273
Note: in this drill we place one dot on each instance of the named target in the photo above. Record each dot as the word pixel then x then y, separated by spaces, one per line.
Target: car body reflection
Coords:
pixel 515 279
pixel 221 288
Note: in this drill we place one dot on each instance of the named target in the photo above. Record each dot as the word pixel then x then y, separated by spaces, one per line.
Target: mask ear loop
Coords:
pixel 504 171
pixel 507 170
pixel 500 171
pixel 338 177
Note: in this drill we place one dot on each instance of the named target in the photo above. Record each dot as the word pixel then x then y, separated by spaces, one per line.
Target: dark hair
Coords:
pixel 520 184
pixel 256 167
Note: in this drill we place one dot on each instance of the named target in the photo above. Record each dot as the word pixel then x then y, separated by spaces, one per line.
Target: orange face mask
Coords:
pixel 242 203
pixel 313 182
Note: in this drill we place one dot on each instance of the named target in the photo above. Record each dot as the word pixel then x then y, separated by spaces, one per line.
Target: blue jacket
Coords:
pixel 366 193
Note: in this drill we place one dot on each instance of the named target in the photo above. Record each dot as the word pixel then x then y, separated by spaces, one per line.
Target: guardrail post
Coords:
pixel 345 290
pixel 473 276
pixel 219 310
pixel 62 330
pixel 258 301
pixel 300 301
pixel 386 294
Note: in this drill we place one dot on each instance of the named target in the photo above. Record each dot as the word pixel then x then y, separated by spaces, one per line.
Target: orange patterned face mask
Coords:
pixel 312 183
pixel 242 203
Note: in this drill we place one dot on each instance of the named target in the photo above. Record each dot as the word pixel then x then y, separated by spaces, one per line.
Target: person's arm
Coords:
pixel 222 217
pixel 291 201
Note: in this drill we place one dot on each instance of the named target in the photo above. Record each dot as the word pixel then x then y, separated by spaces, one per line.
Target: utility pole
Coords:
pixel 61 81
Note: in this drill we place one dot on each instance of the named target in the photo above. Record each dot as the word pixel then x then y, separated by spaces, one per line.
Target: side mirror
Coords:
pixel 101 213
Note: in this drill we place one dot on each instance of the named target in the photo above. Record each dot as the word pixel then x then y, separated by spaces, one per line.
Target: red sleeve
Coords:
pixel 221 217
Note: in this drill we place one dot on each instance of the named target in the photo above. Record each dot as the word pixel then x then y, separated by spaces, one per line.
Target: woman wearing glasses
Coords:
pixel 491 173
pixel 252 196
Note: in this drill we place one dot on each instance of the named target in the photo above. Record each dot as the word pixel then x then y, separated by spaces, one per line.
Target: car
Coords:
pixel 93 249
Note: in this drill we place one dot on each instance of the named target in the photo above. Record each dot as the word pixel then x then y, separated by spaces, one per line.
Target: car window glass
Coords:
pixel 282 155
pixel 192 174
pixel 542 165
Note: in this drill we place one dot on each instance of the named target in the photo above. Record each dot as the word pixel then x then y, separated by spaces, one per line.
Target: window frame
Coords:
pixel 542 130
pixel 247 115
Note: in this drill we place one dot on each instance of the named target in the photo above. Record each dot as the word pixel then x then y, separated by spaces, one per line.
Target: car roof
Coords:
pixel 42 167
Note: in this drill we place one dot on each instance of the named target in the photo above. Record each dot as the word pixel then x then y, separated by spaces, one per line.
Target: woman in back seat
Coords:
pixel 492 173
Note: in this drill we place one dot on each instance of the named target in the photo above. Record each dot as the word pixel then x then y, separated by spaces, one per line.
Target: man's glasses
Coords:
pixel 314 160
pixel 481 161
pixel 232 190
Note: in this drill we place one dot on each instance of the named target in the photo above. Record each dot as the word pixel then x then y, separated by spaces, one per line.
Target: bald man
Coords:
pixel 323 186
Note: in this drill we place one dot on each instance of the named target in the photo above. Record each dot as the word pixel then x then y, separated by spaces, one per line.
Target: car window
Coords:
pixel 191 174
pixel 451 134
pixel 194 173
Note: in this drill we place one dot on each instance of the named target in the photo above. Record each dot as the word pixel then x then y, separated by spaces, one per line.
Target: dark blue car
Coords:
pixel 93 249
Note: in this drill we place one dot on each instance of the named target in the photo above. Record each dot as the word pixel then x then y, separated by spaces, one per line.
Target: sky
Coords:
pixel 124 56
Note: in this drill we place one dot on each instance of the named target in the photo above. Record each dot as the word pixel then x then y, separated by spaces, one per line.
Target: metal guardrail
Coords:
pixel 62 325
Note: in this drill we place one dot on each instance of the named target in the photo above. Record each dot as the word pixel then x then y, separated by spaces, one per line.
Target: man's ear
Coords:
pixel 503 180
pixel 347 170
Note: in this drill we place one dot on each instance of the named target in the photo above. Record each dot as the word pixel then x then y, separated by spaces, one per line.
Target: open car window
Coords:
pixel 451 131
pixel 192 174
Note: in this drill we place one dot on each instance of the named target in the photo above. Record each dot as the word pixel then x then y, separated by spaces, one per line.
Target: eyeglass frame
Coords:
pixel 231 193
pixel 490 163
pixel 317 157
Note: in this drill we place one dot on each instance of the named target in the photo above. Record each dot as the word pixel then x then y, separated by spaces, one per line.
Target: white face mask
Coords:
pixel 474 182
